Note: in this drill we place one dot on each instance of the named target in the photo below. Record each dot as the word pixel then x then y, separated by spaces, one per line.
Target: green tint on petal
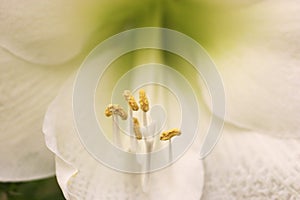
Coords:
pixel 214 26
pixel 261 74
pixel 103 19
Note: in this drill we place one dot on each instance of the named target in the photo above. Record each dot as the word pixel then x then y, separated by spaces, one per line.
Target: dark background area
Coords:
pixel 44 189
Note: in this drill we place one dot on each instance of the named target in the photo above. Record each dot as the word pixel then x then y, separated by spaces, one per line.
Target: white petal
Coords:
pixel 93 180
pixel 255 45
pixel 26 91
pixel 40 32
pixel 261 71
pixel 249 165
pixel 53 32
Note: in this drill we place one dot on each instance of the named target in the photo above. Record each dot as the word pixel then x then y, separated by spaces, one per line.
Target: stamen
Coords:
pixel 146 175
pixel 115 109
pixel 131 101
pixel 132 106
pixel 108 111
pixel 167 135
pixel 170 151
pixel 116 131
pixel 143 101
pixel 149 136
pixel 144 104
pixel 136 128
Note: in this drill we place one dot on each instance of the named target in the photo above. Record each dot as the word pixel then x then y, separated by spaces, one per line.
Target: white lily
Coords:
pixel 255 46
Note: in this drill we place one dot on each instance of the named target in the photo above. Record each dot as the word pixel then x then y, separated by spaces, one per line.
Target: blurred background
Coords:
pixel 44 189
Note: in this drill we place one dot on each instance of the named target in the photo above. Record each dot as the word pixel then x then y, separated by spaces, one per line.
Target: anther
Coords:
pixel 116 110
pixel 144 103
pixel 136 128
pixel 167 135
pixel 131 101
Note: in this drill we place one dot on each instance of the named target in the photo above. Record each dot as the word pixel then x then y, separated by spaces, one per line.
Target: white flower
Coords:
pixel 255 46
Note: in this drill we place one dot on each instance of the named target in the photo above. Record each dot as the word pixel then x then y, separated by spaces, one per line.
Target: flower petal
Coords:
pixel 26 90
pixel 54 32
pixel 255 45
pixel 249 165
pixel 96 181
pixel 39 32
pixel 261 72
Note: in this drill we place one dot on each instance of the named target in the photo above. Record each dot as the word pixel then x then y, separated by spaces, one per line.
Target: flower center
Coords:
pixel 145 133
pixel 139 136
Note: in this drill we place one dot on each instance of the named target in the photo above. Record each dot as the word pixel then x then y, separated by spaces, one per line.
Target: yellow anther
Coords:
pixel 108 111
pixel 131 101
pixel 136 128
pixel 115 109
pixel 144 103
pixel 167 135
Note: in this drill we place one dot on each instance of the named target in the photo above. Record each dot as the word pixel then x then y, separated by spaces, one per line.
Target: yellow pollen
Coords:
pixel 131 101
pixel 167 135
pixel 144 103
pixel 116 110
pixel 136 128
pixel 108 112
